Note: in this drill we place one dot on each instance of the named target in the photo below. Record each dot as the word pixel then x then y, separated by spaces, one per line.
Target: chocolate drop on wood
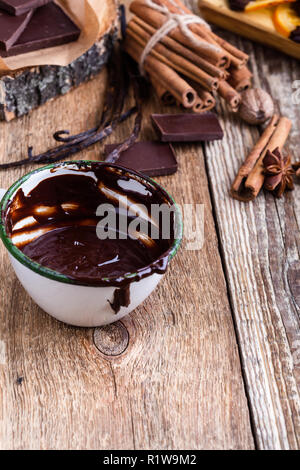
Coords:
pixel 11 28
pixel 19 7
pixel 187 127
pixel 149 158
pixel 48 27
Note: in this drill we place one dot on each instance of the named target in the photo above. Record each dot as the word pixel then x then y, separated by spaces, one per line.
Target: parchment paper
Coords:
pixel 94 18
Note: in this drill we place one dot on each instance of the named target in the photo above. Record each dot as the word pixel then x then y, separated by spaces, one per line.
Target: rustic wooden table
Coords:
pixel 212 359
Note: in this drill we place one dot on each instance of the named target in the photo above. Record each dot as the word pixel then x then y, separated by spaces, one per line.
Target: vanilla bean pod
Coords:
pixel 129 141
pixel 64 151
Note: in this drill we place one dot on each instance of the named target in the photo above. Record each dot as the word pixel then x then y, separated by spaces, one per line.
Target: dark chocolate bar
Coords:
pixel 11 28
pixel 149 158
pixel 19 7
pixel 48 27
pixel 187 127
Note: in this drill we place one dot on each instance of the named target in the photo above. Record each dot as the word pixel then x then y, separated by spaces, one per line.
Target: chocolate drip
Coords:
pixel 121 298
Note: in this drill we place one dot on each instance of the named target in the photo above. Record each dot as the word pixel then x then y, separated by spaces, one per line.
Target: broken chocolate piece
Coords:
pixel 11 28
pixel 295 35
pixel 238 5
pixel 149 158
pixel 187 127
pixel 48 27
pixel 19 7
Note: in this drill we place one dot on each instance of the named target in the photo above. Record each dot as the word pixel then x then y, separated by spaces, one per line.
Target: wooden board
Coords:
pixel 257 25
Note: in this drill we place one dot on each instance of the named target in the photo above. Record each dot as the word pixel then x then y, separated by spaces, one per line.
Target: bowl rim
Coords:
pixel 55 275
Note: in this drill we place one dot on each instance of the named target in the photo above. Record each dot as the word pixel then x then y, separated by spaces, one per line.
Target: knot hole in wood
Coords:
pixel 111 340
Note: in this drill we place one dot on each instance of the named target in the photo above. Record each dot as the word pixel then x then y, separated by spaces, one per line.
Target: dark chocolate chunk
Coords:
pixel 149 158
pixel 238 5
pixel 187 127
pixel 11 28
pixel 19 7
pixel 48 27
pixel 295 35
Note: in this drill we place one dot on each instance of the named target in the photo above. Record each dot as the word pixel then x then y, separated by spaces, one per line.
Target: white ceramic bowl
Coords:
pixel 63 298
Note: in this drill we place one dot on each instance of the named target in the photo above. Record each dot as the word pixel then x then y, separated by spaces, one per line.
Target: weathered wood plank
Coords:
pixel 176 385
pixel 260 245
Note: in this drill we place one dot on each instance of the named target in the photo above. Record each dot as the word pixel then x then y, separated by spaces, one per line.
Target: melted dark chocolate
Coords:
pixel 77 252
pixel 61 233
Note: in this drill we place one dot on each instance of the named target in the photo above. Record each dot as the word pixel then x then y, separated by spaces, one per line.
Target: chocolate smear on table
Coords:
pixel 19 7
pixel 149 158
pixel 11 27
pixel 48 27
pixel 61 234
pixel 187 127
pixel 238 5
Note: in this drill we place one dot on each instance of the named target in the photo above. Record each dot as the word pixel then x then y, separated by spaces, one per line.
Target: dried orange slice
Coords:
pixel 285 19
pixel 258 4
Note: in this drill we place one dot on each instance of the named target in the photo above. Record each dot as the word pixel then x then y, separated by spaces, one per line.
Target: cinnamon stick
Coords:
pixel 256 178
pixel 207 98
pixel 157 19
pixel 237 57
pixel 250 178
pixel 181 50
pixel 234 51
pixel 240 79
pixel 178 87
pixel 171 59
pixel 230 95
pixel 162 93
pixel 198 105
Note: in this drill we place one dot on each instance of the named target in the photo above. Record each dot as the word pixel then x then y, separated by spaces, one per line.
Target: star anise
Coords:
pixel 279 172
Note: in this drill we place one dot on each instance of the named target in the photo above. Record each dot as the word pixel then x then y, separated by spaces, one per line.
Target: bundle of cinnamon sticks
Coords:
pixel 182 70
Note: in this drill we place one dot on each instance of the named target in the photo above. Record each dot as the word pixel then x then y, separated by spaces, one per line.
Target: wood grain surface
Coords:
pixel 167 377
pixel 211 359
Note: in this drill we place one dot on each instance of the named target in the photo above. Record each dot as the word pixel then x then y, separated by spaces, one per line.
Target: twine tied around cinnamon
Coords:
pixel 173 20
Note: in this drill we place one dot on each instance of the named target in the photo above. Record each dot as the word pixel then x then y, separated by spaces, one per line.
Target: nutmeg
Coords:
pixel 256 106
